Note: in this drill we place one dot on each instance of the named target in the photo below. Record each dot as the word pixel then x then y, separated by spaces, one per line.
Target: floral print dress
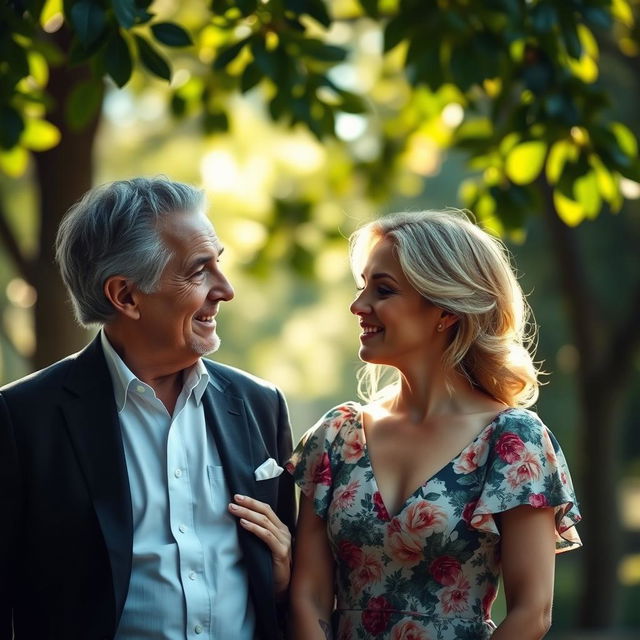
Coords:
pixel 430 572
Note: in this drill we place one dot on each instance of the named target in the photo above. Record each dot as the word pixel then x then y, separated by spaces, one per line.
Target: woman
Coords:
pixel 383 553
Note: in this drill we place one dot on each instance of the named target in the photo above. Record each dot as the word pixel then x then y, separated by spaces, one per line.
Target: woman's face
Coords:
pixel 399 327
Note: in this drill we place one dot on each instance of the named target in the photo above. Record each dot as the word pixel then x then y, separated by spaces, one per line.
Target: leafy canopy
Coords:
pixel 520 77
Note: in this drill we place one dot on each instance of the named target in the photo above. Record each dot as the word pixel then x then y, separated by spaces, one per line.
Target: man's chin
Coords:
pixel 203 348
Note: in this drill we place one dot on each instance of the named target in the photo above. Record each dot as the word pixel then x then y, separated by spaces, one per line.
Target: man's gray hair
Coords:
pixel 113 230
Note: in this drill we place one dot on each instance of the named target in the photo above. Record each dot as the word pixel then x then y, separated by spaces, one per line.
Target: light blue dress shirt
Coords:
pixel 188 579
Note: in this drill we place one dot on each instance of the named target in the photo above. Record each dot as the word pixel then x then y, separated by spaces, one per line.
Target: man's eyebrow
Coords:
pixel 198 261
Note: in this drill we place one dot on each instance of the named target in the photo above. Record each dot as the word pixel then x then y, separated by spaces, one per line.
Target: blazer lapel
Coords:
pixel 93 426
pixel 241 449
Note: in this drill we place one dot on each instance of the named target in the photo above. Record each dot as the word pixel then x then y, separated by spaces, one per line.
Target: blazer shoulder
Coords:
pixel 226 375
pixel 39 381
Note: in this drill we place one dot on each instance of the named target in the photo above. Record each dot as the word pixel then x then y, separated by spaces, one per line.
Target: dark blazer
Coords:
pixel 66 531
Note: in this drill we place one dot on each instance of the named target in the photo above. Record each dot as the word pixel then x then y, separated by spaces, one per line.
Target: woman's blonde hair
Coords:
pixel 463 270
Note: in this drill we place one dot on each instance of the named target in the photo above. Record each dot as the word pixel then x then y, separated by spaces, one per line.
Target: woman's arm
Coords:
pixel 528 566
pixel 312 593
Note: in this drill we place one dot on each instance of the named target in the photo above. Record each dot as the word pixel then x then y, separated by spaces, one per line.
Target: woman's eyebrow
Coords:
pixel 383 274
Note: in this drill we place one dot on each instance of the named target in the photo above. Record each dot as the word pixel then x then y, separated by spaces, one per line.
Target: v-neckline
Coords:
pixel 410 498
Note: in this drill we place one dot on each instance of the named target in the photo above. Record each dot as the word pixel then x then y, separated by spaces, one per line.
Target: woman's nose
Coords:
pixel 359 306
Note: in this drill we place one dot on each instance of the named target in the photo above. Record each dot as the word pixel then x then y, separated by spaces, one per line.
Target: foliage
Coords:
pixel 524 76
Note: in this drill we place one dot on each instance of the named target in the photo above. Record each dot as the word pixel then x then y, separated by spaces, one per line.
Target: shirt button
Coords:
pixel 197 628
pixel 140 389
pixel 182 528
pixel 192 575
pixel 177 473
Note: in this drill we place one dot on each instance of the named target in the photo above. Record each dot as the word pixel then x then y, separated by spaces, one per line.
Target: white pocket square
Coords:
pixel 268 469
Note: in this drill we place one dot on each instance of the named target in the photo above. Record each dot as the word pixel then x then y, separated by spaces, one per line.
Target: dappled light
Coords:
pixel 302 121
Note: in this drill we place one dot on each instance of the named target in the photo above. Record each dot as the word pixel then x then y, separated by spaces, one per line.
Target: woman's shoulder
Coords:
pixel 338 418
pixel 524 423
pixel 335 421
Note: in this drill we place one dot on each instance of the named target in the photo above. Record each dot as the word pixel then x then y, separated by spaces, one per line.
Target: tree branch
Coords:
pixel 8 238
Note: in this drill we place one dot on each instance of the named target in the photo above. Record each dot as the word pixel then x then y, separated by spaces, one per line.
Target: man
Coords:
pixel 141 485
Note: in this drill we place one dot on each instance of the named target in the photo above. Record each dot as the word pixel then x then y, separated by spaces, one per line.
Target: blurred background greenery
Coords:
pixel 302 120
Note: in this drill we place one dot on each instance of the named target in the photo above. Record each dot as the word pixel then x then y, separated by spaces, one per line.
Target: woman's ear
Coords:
pixel 447 320
pixel 119 292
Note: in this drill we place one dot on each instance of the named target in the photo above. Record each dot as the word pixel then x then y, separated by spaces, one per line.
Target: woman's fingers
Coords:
pixel 259 518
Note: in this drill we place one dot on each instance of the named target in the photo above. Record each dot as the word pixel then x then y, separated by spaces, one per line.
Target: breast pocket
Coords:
pixel 267 490
pixel 220 495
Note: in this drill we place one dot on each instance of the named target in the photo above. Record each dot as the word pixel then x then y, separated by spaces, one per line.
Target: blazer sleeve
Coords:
pixel 10 514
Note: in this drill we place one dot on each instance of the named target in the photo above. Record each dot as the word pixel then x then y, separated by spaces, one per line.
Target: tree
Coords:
pixel 516 83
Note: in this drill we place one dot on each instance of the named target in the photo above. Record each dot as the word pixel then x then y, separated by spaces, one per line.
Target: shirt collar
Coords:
pixel 195 381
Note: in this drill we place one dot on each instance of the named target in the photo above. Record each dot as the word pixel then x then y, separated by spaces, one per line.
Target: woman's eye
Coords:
pixel 385 291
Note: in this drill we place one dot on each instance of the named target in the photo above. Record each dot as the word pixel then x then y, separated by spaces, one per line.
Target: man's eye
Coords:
pixel 199 273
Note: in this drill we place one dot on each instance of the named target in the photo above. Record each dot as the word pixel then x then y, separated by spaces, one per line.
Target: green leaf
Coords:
pixel 465 75
pixel 370 8
pixel 11 127
pixel 268 62
pixel 40 135
pixel 278 106
pixel 16 57
pixel 88 20
pixel 397 29
pixel 152 60
pixel 251 76
pixel 247 7
pixel 607 185
pixel 571 39
pixel 587 194
pixel 126 12
pixel 560 153
pixel 569 211
pixel 178 105
pixel 525 161
pixel 83 103
pixel 170 34
pixel 597 17
pixel 543 17
pixel 351 102
pixel 625 138
pixel 317 49
pixel 229 54
pixel 318 10
pixel 117 59
pixel 14 162
pixel 215 121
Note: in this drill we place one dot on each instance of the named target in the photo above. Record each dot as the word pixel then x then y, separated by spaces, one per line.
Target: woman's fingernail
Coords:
pixel 238 497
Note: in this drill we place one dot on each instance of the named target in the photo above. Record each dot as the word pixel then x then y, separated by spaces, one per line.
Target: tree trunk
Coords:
pixel 599 505
pixel 600 387
pixel 64 174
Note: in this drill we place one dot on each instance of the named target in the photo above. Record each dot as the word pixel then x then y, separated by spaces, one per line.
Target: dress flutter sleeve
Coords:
pixel 314 459
pixel 525 466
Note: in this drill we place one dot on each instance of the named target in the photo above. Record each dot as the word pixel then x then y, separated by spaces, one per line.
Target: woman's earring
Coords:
pixel 440 326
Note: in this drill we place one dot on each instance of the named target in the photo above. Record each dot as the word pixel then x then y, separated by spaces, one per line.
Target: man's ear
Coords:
pixel 120 293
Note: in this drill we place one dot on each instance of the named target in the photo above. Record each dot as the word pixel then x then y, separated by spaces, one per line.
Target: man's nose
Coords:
pixel 222 289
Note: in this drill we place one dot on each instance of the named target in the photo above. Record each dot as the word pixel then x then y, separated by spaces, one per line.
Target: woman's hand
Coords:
pixel 259 518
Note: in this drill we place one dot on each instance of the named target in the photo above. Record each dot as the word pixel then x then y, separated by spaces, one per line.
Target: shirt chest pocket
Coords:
pixel 220 495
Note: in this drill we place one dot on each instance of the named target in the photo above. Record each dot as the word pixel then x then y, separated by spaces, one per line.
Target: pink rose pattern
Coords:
pixel 429 572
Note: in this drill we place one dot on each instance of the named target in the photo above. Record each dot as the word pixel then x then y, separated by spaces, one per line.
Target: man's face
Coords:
pixel 177 321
